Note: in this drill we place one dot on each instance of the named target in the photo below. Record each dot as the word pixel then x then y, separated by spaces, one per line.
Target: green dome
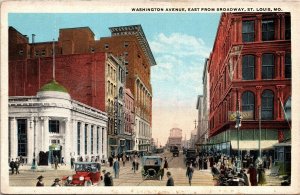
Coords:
pixel 53 86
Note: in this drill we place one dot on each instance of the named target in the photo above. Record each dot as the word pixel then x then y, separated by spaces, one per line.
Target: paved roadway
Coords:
pixel 127 177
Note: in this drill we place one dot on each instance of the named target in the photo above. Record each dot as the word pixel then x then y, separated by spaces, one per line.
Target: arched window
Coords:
pixel 248 104
pixel 268 66
pixel 287 109
pixel 267 105
pixel 248 67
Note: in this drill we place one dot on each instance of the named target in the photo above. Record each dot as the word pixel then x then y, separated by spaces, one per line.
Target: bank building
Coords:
pixel 52 124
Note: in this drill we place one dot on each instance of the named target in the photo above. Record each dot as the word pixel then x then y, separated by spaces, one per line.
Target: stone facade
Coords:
pixel 53 123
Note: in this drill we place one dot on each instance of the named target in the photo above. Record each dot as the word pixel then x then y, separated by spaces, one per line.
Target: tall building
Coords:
pixel 250 71
pixel 130 43
pixel 175 137
pixel 129 118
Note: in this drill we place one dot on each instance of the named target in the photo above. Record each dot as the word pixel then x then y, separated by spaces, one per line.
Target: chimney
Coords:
pixel 33 35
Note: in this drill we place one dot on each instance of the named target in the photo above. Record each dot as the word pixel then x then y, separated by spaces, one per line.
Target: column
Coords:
pixel 46 134
pixel 74 138
pixel 278 98
pixel 82 140
pixel 258 101
pixel 239 30
pixel 68 143
pixel 100 142
pixel 258 69
pixel 105 143
pixel 13 138
pixel 30 139
pixel 277 27
pixel 258 34
pixel 279 65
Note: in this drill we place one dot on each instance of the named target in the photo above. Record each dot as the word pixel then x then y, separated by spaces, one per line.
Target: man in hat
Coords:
pixel 56 183
pixel 170 181
pixel 12 166
pixel 40 181
pixel 108 180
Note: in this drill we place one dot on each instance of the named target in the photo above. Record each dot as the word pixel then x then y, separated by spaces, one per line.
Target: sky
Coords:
pixel 179 42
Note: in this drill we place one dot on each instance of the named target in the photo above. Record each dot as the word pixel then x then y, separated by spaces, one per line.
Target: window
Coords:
pixel 288 65
pixel 287 28
pixel 92 139
pixel 268 30
pixel 126 62
pixel 36 53
pixel 248 67
pixel 267 105
pixel 268 66
pixel 78 138
pixel 248 31
pixel 92 50
pixel 126 44
pixel 125 53
pixel 106 45
pixel 21 52
pixel 85 139
pixel 22 137
pixel 287 109
pixel 43 52
pixel 53 126
pixel 248 103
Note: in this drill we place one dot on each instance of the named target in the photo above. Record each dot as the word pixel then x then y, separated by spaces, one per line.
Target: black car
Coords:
pixel 190 157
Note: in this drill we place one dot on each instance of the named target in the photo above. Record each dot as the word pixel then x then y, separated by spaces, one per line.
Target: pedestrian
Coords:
pixel 189 172
pixel 62 161
pixel 116 167
pixel 40 182
pixel 80 159
pixel 124 160
pixel 72 162
pixel 108 180
pixel 134 165
pixel 17 165
pixel 253 175
pixel 244 176
pixel 102 176
pixel 261 175
pixel 21 160
pixel 170 181
pixel 56 162
pixel 166 165
pixel 56 183
pixel 110 160
pixel 200 163
pixel 12 166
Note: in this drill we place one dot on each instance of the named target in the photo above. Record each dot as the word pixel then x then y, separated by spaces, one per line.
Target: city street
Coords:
pixel 28 177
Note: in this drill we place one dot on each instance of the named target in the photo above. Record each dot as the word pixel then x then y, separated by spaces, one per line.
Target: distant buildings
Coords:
pixel 109 76
pixel 175 138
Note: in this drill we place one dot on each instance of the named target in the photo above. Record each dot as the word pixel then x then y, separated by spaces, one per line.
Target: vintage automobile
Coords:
pixel 152 167
pixel 190 157
pixel 87 174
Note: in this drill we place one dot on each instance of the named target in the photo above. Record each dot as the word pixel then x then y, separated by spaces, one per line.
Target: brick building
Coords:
pixel 260 79
pixel 129 117
pixel 130 43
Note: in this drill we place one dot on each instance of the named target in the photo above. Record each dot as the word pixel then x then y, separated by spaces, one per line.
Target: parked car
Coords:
pixel 152 167
pixel 86 173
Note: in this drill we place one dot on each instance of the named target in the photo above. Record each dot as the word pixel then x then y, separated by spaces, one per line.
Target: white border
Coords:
pixel 119 6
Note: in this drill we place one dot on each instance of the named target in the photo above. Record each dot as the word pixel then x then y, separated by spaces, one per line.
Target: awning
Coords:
pixel 253 145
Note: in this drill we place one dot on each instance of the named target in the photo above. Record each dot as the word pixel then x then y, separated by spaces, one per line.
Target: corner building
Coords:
pixel 261 80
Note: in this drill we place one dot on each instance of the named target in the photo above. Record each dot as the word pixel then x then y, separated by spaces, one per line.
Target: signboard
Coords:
pixel 246 115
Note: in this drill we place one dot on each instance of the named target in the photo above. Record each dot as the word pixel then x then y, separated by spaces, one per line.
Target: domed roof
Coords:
pixel 53 86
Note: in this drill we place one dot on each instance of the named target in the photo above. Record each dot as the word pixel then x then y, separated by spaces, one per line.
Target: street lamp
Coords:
pixel 237 126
